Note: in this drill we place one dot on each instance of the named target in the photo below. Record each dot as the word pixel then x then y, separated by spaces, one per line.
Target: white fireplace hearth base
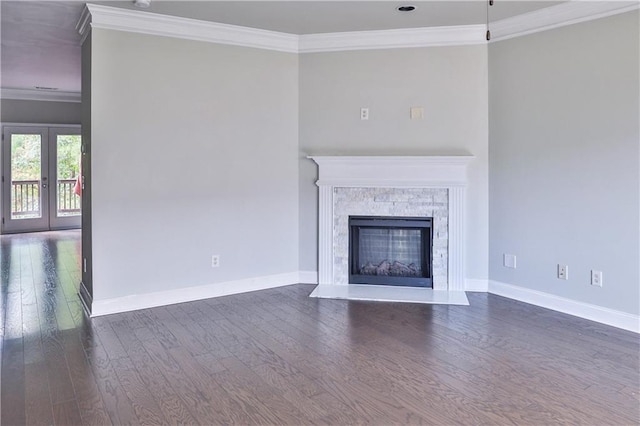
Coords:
pixel 386 293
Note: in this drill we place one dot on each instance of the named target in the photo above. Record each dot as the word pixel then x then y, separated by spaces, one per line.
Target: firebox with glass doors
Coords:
pixel 391 250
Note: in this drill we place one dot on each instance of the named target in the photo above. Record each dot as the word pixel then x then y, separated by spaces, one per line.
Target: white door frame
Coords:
pixel 49 134
pixel 56 222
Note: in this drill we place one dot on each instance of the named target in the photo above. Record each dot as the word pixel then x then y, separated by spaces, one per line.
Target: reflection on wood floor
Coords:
pixel 280 357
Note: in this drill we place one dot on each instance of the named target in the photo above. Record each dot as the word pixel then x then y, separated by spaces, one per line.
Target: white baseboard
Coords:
pixel 579 309
pixel 308 277
pixel 474 284
pixel 188 294
pixel 134 302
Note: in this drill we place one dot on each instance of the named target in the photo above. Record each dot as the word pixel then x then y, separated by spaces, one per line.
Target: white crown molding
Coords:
pixel 567 13
pixel 84 24
pixel 579 309
pixel 560 15
pixel 112 18
pixel 39 95
pixel 393 39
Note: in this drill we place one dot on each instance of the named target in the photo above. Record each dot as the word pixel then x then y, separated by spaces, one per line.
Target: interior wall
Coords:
pixel 449 82
pixel 46 112
pixel 194 153
pixel 86 288
pixel 564 160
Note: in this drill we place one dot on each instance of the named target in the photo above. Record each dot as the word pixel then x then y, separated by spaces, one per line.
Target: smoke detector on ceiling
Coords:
pixel 142 3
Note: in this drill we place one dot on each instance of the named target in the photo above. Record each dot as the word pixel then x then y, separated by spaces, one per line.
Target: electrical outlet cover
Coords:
pixel 596 278
pixel 563 272
pixel 509 260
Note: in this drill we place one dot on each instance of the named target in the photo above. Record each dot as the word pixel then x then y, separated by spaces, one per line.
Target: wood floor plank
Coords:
pixel 116 402
pixel 279 357
pixel 368 403
pixel 38 407
pixel 220 404
pixel 67 414
pixel 337 413
pixel 13 328
pixel 57 370
pixel 158 329
pixel 289 351
pixel 519 342
pixel 144 404
pixel 301 391
pixel 171 405
pixel 202 327
pixel 109 339
pixel 197 401
pixel 256 399
pixel 520 379
pixel 13 383
pixel 186 339
pixel 32 339
pixel 569 332
pixel 420 391
pixel 88 396
pixel 77 311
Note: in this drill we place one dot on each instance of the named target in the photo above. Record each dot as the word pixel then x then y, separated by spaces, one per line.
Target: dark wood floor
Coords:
pixel 279 357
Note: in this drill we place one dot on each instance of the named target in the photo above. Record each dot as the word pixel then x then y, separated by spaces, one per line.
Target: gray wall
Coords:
pixel 449 82
pixel 564 160
pixel 47 112
pixel 194 153
pixel 86 290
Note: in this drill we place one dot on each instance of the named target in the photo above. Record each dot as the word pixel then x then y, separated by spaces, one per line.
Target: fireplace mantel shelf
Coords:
pixel 420 171
pixel 389 159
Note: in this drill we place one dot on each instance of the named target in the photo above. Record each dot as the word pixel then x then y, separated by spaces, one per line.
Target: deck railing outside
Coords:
pixel 25 199
pixel 68 201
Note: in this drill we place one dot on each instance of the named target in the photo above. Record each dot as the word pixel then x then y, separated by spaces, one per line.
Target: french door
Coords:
pixel 40 178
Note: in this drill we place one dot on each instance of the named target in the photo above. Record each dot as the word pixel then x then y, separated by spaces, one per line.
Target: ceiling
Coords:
pixel 312 17
pixel 41 47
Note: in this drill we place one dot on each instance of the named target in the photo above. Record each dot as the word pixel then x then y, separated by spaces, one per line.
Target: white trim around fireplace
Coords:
pixel 448 172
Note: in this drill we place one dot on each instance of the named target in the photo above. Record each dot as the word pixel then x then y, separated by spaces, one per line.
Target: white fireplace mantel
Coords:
pixel 392 171
pixel 446 172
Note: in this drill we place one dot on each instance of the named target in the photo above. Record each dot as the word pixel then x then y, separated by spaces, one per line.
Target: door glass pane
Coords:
pixel 26 172
pixel 68 166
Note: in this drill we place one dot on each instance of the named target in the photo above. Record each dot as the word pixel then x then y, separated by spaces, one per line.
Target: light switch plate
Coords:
pixel 417 113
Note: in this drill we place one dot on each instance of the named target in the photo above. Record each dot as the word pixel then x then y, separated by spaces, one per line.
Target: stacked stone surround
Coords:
pixel 417 202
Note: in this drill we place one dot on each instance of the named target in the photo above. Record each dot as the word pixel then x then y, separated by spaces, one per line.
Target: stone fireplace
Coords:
pixel 389 186
pixel 415 202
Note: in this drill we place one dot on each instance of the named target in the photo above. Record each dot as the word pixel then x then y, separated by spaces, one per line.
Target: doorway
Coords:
pixel 41 185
